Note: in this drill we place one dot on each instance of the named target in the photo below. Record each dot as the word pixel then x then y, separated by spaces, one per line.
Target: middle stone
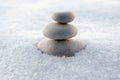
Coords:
pixel 59 31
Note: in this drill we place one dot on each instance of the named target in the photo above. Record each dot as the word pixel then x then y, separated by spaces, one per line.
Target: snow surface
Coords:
pixel 21 22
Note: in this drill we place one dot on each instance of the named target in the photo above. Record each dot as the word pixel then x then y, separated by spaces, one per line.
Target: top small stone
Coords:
pixel 63 17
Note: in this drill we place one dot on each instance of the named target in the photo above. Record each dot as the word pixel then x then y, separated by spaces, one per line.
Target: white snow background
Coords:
pixel 21 23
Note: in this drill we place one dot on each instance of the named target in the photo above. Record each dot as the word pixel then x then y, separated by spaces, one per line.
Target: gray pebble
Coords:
pixel 65 48
pixel 59 31
pixel 63 17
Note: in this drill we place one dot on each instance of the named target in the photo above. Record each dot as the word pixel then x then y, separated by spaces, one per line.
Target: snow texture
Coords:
pixel 21 23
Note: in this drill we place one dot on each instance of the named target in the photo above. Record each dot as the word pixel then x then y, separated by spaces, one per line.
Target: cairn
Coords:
pixel 60 34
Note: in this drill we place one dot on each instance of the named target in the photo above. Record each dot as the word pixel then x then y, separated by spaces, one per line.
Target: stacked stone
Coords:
pixel 61 30
pixel 59 34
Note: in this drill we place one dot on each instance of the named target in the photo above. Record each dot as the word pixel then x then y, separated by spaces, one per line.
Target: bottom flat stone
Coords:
pixel 60 48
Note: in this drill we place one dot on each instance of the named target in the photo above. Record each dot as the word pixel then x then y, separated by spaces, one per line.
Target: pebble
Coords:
pixel 58 31
pixel 63 17
pixel 65 48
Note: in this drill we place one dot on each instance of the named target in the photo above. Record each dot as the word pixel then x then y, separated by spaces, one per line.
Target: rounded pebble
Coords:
pixel 65 48
pixel 63 17
pixel 59 31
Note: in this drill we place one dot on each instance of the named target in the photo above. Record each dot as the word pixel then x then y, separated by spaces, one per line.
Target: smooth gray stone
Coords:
pixel 63 17
pixel 61 48
pixel 60 31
